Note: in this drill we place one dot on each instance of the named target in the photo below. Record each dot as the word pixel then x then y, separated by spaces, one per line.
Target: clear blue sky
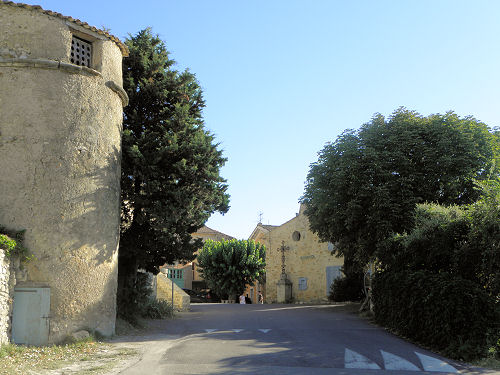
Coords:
pixel 283 77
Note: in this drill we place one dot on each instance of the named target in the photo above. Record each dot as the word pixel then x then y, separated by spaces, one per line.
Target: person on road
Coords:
pixel 260 298
pixel 242 299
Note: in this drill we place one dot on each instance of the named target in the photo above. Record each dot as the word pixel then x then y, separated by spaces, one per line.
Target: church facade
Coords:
pixel 308 263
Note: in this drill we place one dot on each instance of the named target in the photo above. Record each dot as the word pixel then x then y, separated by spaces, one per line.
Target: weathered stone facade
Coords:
pixel 164 292
pixel 60 152
pixel 6 295
pixel 306 260
pixel 11 271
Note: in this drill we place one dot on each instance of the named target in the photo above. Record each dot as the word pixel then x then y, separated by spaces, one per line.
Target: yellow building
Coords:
pixel 309 264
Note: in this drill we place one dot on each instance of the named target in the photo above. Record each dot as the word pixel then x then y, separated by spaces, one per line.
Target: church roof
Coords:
pixel 269 227
pixel 85 25
pixel 262 228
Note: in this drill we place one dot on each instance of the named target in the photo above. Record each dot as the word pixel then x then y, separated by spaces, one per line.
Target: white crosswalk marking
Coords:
pixel 264 330
pixel 238 330
pixel 356 360
pixel 394 362
pixel 210 330
pixel 434 364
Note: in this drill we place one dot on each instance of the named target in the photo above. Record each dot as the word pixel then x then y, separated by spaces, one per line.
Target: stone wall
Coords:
pixel 60 152
pixel 5 298
pixel 164 292
pixel 7 283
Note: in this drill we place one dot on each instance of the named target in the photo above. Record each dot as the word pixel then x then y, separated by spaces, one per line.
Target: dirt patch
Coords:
pixel 107 361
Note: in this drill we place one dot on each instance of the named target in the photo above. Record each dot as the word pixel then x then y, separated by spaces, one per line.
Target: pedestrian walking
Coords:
pixel 260 298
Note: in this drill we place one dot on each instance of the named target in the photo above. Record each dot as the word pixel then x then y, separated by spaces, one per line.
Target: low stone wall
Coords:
pixel 7 283
pixel 164 292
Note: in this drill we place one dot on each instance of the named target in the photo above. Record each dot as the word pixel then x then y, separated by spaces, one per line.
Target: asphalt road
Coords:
pixel 282 339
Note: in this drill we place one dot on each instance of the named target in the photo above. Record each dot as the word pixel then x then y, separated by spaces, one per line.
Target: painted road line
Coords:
pixel 238 330
pixel 264 330
pixel 394 362
pixel 210 330
pixel 434 364
pixel 356 360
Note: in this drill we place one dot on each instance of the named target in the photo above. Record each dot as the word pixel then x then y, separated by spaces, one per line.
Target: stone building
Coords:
pixel 309 264
pixel 61 102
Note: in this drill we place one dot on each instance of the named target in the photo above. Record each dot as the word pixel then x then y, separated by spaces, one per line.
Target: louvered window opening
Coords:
pixel 81 52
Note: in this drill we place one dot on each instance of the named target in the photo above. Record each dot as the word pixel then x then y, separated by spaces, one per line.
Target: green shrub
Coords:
pixel 484 238
pixel 445 312
pixel 133 299
pixel 158 309
pixel 227 266
pixel 348 288
pixel 438 234
pixel 7 243
pixel 12 243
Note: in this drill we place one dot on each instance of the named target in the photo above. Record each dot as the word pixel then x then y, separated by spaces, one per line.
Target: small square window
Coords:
pixel 81 52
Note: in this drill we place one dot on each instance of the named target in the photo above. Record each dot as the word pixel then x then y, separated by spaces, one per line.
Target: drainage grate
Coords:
pixel 81 52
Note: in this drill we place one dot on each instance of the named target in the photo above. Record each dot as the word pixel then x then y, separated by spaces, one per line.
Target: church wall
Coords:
pixel 307 258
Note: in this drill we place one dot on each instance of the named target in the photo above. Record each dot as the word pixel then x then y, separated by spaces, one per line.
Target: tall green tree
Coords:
pixel 170 163
pixel 228 266
pixel 365 186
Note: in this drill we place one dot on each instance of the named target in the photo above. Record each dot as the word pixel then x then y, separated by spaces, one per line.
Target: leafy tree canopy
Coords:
pixel 228 266
pixel 170 163
pixel 365 186
pixel 461 240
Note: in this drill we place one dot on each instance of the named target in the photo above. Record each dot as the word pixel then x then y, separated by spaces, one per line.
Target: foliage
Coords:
pixel 445 312
pixel 432 244
pixel 170 182
pixel 134 298
pixel 170 163
pixel 456 250
pixel 464 241
pixel 8 244
pixel 12 243
pixel 136 301
pixel 482 249
pixel 158 309
pixel 346 289
pixel 365 186
pixel 227 266
pixel 350 287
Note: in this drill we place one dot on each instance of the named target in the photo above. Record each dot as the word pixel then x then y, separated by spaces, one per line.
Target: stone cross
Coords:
pixel 283 248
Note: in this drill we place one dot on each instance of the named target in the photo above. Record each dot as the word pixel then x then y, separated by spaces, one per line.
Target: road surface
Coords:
pixel 282 339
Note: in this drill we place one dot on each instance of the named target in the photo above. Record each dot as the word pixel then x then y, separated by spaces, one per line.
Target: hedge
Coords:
pixel 348 288
pixel 441 311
